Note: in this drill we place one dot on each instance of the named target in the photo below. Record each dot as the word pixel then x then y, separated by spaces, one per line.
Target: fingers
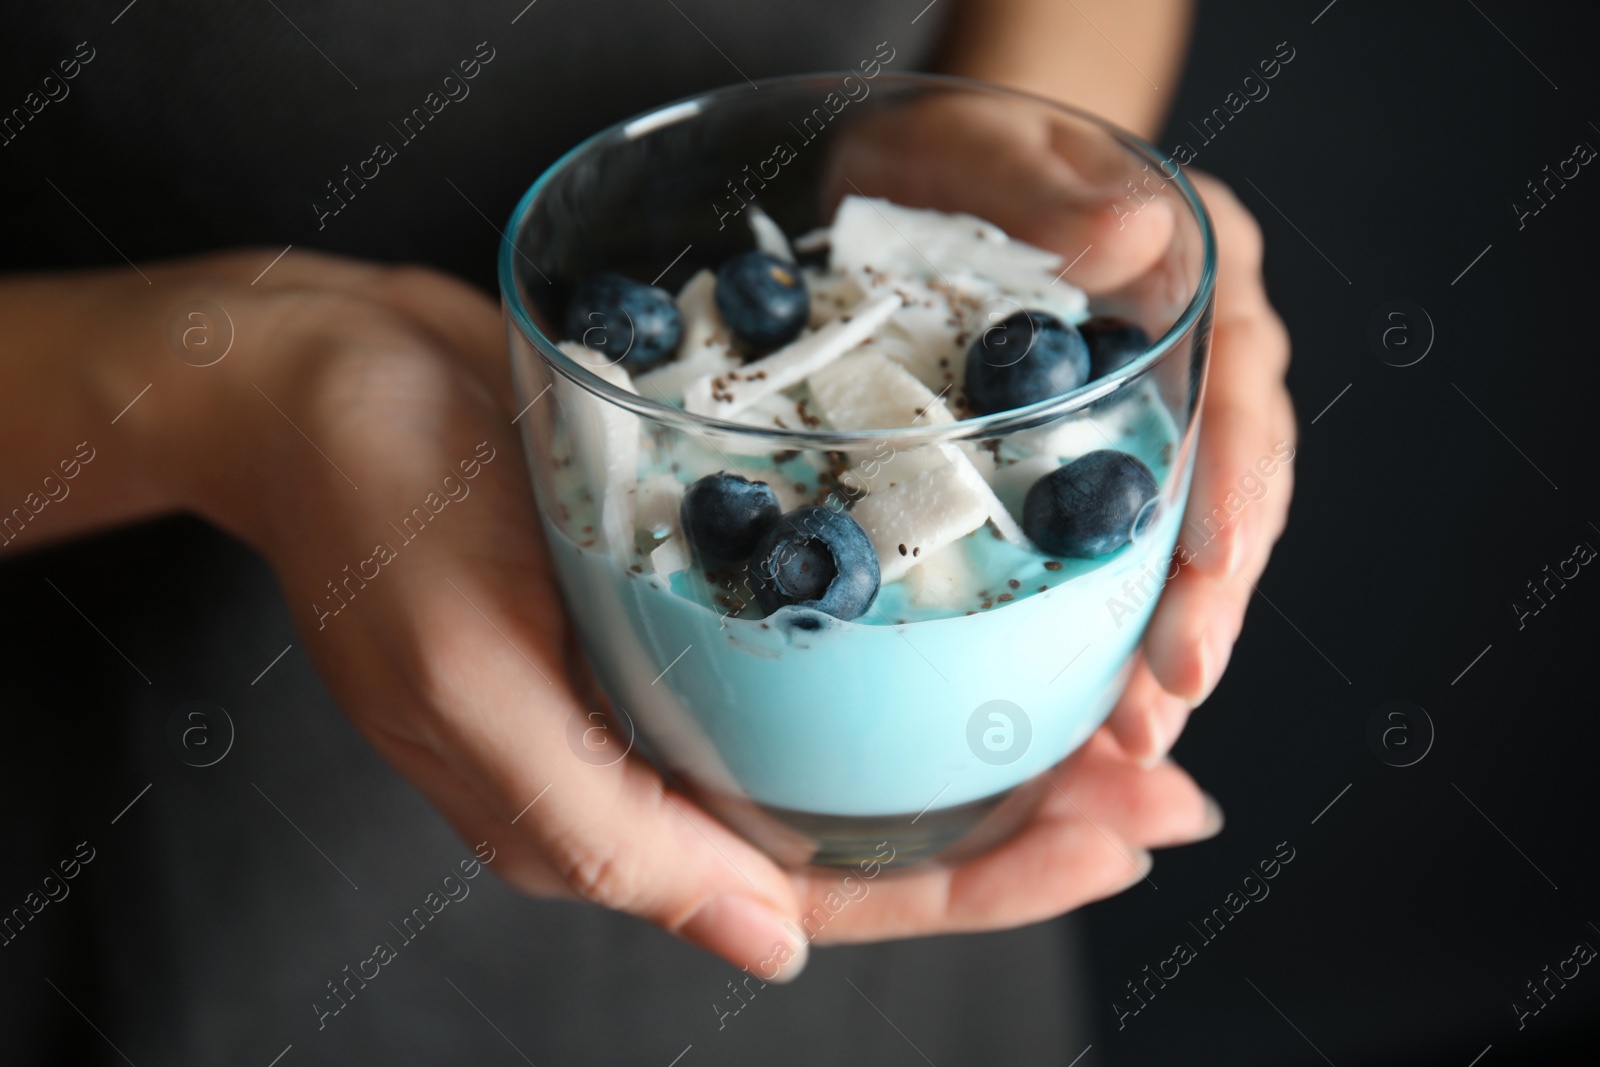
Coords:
pixel 1107 241
pixel 1105 217
pixel 1199 617
pixel 1243 472
pixel 1247 423
pixel 1065 189
pixel 1147 719
pixel 499 717
pixel 1089 840
pixel 1154 807
pixel 1053 866
pixel 1071 189
pixel 516 861
pixel 729 925
pixel 1243 482
pixel 453 643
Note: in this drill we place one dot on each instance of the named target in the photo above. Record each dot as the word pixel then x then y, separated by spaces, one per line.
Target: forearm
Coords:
pixel 1120 59
pixel 73 346
pixel 101 421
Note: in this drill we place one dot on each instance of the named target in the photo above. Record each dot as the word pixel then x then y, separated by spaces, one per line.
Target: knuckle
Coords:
pixel 435 687
pixel 1275 342
pixel 401 283
pixel 405 275
pixel 234 263
pixel 242 264
pixel 330 316
pixel 1243 240
pixel 1259 338
pixel 1239 238
pixel 596 870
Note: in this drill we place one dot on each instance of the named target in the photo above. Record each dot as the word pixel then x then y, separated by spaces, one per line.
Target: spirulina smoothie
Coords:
pixel 827 630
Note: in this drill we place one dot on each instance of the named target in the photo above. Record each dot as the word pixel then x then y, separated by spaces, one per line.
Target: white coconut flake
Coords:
pixel 671 556
pixel 866 390
pixel 920 516
pixel 1009 528
pixel 725 395
pixel 774 412
pixel 887 468
pixel 832 295
pixel 768 234
pixel 697 303
pixel 979 457
pixel 944 578
pixel 905 293
pixel 702 350
pixel 605 438
pixel 1011 481
pixel 813 240
pixel 789 497
pixel 669 382
pixel 1066 302
pixel 1071 437
pixel 960 250
pixel 656 504
pixel 933 326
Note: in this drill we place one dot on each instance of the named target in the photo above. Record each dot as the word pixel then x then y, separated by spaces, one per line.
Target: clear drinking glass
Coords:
pixel 932 722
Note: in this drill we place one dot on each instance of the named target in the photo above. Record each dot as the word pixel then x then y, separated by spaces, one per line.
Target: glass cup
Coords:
pixel 931 724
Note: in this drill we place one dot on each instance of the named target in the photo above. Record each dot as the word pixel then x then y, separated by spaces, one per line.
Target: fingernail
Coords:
pixel 1238 546
pixel 1202 689
pixel 1145 862
pixel 748 934
pixel 1216 648
pixel 1214 819
pixel 1158 745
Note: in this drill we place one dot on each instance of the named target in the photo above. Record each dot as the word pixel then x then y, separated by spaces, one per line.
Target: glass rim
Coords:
pixel 994 424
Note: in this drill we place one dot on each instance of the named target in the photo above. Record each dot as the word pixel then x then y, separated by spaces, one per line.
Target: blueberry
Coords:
pixel 724 515
pixel 1113 343
pixel 815 557
pixel 628 322
pixel 762 299
pixel 1094 505
pixel 1029 357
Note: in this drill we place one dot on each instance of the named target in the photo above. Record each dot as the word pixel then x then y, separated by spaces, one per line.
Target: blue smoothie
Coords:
pixel 802 711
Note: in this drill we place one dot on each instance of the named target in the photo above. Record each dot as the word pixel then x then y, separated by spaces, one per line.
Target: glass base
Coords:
pixel 947 835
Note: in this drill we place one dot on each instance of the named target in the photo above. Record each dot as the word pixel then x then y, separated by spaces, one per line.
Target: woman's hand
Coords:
pixel 358 433
pixel 1059 185
pixel 1239 500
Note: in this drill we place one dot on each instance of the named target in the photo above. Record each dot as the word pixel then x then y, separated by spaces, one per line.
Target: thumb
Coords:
pixel 505 718
pixel 461 651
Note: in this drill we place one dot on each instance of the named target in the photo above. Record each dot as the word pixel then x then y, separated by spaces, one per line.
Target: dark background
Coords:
pixel 1396 142
pixel 1417 905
